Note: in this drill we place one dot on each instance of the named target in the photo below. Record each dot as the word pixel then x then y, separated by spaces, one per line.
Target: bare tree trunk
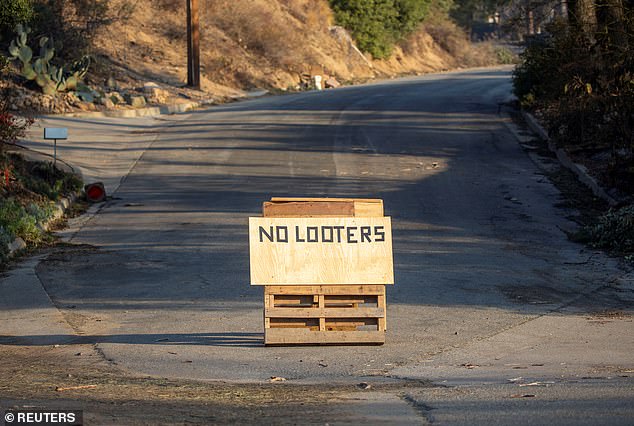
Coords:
pixel 611 25
pixel 581 14
pixel 530 18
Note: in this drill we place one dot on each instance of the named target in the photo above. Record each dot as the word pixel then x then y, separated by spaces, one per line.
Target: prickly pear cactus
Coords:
pixel 50 78
pixel 19 50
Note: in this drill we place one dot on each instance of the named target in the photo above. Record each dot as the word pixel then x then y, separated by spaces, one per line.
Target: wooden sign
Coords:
pixel 320 251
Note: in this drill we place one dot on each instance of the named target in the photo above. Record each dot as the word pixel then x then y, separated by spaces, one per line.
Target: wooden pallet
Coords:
pixel 320 315
pixel 326 314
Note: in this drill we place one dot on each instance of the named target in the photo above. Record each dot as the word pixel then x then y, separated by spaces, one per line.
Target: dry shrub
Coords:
pixel 453 40
pixel 449 37
pixel 171 5
pixel 258 28
pixel 315 14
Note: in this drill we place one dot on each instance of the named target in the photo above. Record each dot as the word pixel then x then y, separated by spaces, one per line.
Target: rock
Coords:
pixel 150 86
pixel 71 99
pixel 48 103
pixel 157 95
pixel 107 102
pixel 136 101
pixel 116 98
pixel 17 244
pixel 112 83
pixel 332 83
pixel 87 106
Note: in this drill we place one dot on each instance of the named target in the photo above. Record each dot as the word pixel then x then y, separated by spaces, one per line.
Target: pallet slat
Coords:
pixel 324 312
pixel 281 336
pixel 317 207
pixel 338 290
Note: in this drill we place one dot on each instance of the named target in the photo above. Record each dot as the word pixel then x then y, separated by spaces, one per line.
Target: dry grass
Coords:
pixel 259 29
pixel 260 43
pixel 453 40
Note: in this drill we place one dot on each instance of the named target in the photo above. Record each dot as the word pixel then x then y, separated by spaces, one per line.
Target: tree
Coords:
pixel 611 25
pixel 410 14
pixel 371 23
pixel 377 25
pixel 13 12
pixel 582 15
pixel 467 12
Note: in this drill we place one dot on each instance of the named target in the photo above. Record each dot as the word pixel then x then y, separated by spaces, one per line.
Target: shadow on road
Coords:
pixel 237 339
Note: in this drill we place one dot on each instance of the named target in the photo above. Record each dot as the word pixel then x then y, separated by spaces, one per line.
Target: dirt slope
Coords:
pixel 250 43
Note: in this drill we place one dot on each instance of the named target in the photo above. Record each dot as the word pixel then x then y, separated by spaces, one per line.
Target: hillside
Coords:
pixel 253 43
pixel 245 44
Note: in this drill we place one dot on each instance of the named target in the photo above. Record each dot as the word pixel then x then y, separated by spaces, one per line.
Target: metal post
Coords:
pixel 193 44
pixel 54 152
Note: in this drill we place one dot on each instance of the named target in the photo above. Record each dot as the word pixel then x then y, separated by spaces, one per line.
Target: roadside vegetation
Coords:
pixel 28 189
pixel 578 77
pixel 378 25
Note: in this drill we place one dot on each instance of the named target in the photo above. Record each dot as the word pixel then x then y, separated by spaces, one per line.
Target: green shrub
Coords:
pixel 614 231
pixel 550 61
pixel 586 93
pixel 505 56
pixel 46 180
pixel 18 222
pixel 377 25
pixel 5 240
pixel 371 23
pixel 13 12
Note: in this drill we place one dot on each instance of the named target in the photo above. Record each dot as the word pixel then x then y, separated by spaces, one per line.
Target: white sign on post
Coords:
pixel 52 133
pixel 55 133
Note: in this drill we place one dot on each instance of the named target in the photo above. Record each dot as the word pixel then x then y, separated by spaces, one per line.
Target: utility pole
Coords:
pixel 193 45
pixel 530 19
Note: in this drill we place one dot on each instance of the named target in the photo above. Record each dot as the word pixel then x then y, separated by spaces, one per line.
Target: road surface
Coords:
pixel 492 304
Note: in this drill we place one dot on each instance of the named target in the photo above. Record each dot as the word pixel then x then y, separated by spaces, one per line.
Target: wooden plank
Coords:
pixel 289 301
pixel 321 251
pixel 341 290
pixel 308 209
pixel 329 207
pixel 307 323
pixel 365 209
pixel 351 322
pixel 334 301
pixel 322 320
pixel 324 312
pixel 338 324
pixel 336 200
pixel 281 336
pixel 268 303
pixel 382 320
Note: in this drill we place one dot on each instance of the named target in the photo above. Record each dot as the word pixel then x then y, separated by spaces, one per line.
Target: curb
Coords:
pixel 580 171
pixel 141 112
pixel 159 110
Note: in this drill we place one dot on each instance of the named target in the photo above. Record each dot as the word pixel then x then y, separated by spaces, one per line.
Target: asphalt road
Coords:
pixel 489 293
